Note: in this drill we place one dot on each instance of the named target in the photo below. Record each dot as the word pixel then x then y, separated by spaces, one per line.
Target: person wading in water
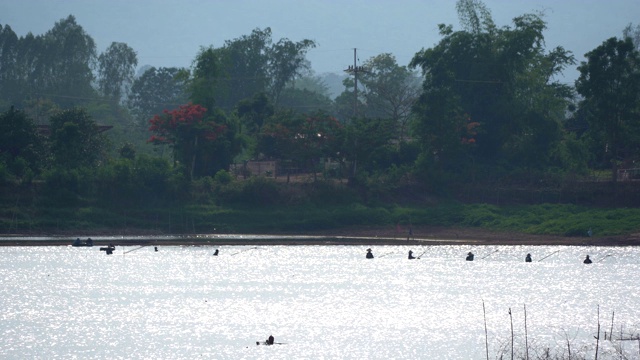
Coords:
pixel 369 254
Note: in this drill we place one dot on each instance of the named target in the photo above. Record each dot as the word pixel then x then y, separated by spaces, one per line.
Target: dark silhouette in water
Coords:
pixel 215 253
pixel 411 255
pixel 469 256
pixel 587 260
pixel 155 248
pixel 369 254
pixel 528 258
pixel 269 341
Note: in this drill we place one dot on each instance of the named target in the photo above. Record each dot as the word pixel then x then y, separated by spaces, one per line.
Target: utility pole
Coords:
pixel 355 69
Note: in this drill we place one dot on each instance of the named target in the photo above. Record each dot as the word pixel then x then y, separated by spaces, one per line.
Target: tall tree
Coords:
pixel 244 67
pixel 302 140
pixel 21 147
pixel 610 84
pixel 287 61
pixel 390 91
pixel 253 64
pixel 64 69
pixel 204 81
pixel 116 69
pixel 155 90
pixel 632 32
pixel 202 141
pixel 253 112
pixel 500 79
pixel 76 140
pixel 9 78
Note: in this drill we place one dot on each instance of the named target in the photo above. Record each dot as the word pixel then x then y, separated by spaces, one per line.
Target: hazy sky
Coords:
pixel 170 32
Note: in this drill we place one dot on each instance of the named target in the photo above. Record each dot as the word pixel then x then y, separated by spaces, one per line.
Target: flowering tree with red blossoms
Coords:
pixel 190 133
pixel 302 139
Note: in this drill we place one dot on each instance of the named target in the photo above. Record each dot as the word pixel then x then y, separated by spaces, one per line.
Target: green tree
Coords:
pixel 364 141
pixel 253 112
pixel 305 100
pixel 155 90
pixel 301 140
pixel 64 67
pixel 495 86
pixel 286 62
pixel 244 66
pixel 632 32
pixel 202 141
pixel 610 85
pixel 76 140
pixel 204 83
pixel 390 91
pixel 116 69
pixel 9 78
pixel 253 64
pixel 21 147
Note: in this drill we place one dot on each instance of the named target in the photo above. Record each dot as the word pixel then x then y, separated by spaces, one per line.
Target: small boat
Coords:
pixel 79 242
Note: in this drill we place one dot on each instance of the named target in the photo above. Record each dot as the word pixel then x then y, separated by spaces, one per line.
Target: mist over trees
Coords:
pixel 483 106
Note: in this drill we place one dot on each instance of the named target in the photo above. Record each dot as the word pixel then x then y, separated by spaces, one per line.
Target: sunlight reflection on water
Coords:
pixel 322 301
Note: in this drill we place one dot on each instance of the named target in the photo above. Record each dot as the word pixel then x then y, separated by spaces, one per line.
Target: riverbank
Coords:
pixel 361 235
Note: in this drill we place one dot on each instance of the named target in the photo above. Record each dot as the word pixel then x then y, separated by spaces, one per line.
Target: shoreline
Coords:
pixel 360 235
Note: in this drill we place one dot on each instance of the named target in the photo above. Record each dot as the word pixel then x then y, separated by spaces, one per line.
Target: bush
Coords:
pixel 223 177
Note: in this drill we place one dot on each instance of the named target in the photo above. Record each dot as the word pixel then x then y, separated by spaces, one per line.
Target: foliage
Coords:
pixel 223 177
pixel 21 147
pixel 75 140
pixel 610 84
pixel 287 61
pixel 390 91
pixel 249 65
pixel 499 81
pixel 155 90
pixel 134 181
pixel 304 101
pixel 116 67
pixel 302 139
pixel 254 111
pixel 56 64
pixel 364 141
pixel 192 134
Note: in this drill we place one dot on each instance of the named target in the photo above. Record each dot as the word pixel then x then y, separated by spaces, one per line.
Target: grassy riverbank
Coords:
pixel 543 220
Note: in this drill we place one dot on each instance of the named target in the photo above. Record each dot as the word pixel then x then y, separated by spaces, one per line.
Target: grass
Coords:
pixel 545 219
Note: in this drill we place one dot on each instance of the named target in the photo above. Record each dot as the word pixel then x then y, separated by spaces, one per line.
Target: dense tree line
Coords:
pixel 483 105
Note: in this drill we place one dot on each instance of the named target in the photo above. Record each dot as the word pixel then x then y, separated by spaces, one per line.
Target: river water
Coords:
pixel 320 302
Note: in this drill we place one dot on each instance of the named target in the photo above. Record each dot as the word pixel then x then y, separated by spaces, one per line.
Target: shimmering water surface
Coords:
pixel 321 301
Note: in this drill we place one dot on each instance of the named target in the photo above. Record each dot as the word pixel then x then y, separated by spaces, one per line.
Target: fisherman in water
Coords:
pixel 528 258
pixel 587 260
pixel 270 340
pixel 369 254
pixel 215 253
pixel 411 255
pixel 470 256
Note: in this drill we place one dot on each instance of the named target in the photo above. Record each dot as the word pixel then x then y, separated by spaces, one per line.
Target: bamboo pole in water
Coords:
pixel 598 336
pixel 486 336
pixel 613 313
pixel 511 318
pixel 526 337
